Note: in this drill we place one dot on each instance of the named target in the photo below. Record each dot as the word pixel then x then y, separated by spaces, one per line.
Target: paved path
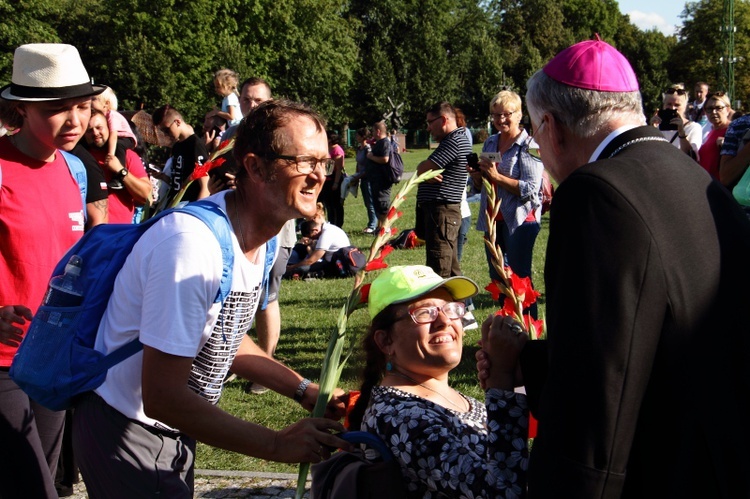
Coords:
pixel 233 485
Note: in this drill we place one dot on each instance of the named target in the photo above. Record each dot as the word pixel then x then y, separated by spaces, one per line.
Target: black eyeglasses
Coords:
pixel 427 315
pixel 429 122
pixel 165 129
pixel 715 108
pixel 530 147
pixel 678 91
pixel 305 164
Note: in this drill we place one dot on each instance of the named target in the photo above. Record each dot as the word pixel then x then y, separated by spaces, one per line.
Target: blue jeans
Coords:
pixel 518 250
pixel 372 217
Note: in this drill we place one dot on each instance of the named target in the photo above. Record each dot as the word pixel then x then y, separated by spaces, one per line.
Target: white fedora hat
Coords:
pixel 48 71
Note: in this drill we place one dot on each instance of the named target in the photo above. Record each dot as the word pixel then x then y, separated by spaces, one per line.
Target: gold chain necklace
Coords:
pixel 396 373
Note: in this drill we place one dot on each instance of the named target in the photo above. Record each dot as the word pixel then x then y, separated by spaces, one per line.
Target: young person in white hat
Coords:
pixel 41 216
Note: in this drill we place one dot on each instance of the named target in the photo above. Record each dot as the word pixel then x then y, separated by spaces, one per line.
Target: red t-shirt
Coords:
pixel 41 216
pixel 121 206
pixel 709 152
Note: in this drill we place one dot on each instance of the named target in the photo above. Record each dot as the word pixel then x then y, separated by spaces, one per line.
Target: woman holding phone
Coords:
pixel 516 176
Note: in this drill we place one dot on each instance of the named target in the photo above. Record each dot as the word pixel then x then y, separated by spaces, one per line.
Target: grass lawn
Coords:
pixel 308 314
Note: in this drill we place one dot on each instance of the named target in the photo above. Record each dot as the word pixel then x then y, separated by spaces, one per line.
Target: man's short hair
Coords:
pixel 260 131
pixel 97 114
pixel 165 112
pixel 253 81
pixel 443 108
pixel 379 125
pixel 584 112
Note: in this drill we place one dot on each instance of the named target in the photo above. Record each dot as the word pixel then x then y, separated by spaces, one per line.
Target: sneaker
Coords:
pixel 469 322
pixel 115 184
pixel 368 230
pixel 255 388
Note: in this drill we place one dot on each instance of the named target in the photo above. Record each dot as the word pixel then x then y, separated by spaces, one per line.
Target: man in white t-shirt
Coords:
pixel 136 435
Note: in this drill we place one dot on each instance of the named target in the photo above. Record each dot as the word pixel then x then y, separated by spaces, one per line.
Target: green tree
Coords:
pixel 422 52
pixel 31 21
pixel 305 48
pixel 648 53
pixel 696 56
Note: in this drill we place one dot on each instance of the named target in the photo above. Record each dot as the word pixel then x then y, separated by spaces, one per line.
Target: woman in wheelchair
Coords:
pixel 448 444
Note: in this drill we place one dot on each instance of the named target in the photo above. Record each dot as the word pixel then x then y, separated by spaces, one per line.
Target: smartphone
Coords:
pixel 667 115
pixel 495 157
pixel 472 162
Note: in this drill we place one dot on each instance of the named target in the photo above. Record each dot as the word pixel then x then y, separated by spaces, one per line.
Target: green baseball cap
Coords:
pixel 404 283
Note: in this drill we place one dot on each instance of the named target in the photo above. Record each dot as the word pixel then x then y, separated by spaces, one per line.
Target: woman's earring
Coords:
pixel 389 365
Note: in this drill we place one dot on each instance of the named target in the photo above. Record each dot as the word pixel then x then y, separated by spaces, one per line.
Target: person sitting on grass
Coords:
pixel 311 256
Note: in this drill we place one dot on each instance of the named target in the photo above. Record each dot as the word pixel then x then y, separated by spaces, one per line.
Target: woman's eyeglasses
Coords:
pixel 678 91
pixel 497 116
pixel 715 108
pixel 305 164
pixel 427 315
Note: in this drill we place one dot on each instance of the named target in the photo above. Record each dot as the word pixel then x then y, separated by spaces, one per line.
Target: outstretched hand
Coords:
pixel 310 440
pixel 9 315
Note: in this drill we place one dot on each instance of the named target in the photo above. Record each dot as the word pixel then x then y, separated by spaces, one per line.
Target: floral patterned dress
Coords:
pixel 446 453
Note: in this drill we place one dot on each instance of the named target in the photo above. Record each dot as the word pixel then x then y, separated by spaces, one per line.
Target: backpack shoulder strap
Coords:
pixel 271 245
pixel 78 172
pixel 213 216
pixel 217 221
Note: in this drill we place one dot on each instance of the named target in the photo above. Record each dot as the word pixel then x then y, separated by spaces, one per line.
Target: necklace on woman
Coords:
pixel 401 375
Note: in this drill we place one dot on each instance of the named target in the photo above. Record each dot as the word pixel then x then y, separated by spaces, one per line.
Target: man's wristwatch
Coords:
pixel 300 392
pixel 123 173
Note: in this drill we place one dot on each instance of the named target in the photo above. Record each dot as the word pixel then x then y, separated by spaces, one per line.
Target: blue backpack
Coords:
pixel 56 360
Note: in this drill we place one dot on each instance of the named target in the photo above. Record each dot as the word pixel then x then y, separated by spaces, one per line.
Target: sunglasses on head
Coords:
pixel 678 91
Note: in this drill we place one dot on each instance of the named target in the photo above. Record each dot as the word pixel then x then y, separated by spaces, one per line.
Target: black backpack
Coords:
pixel 350 475
pixel 395 164
pixel 346 262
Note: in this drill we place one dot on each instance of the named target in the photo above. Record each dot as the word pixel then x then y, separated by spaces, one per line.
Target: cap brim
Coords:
pixel 5 93
pixel 459 287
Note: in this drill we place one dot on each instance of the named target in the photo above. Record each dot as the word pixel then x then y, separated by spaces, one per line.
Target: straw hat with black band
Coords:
pixel 48 72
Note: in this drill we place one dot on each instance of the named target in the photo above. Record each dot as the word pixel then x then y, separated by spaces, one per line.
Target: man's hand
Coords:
pixel 310 440
pixel 13 314
pixel 336 408
pixel 218 183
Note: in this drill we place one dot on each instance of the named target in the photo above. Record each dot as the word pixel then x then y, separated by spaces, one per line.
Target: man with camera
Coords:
pixel 684 134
